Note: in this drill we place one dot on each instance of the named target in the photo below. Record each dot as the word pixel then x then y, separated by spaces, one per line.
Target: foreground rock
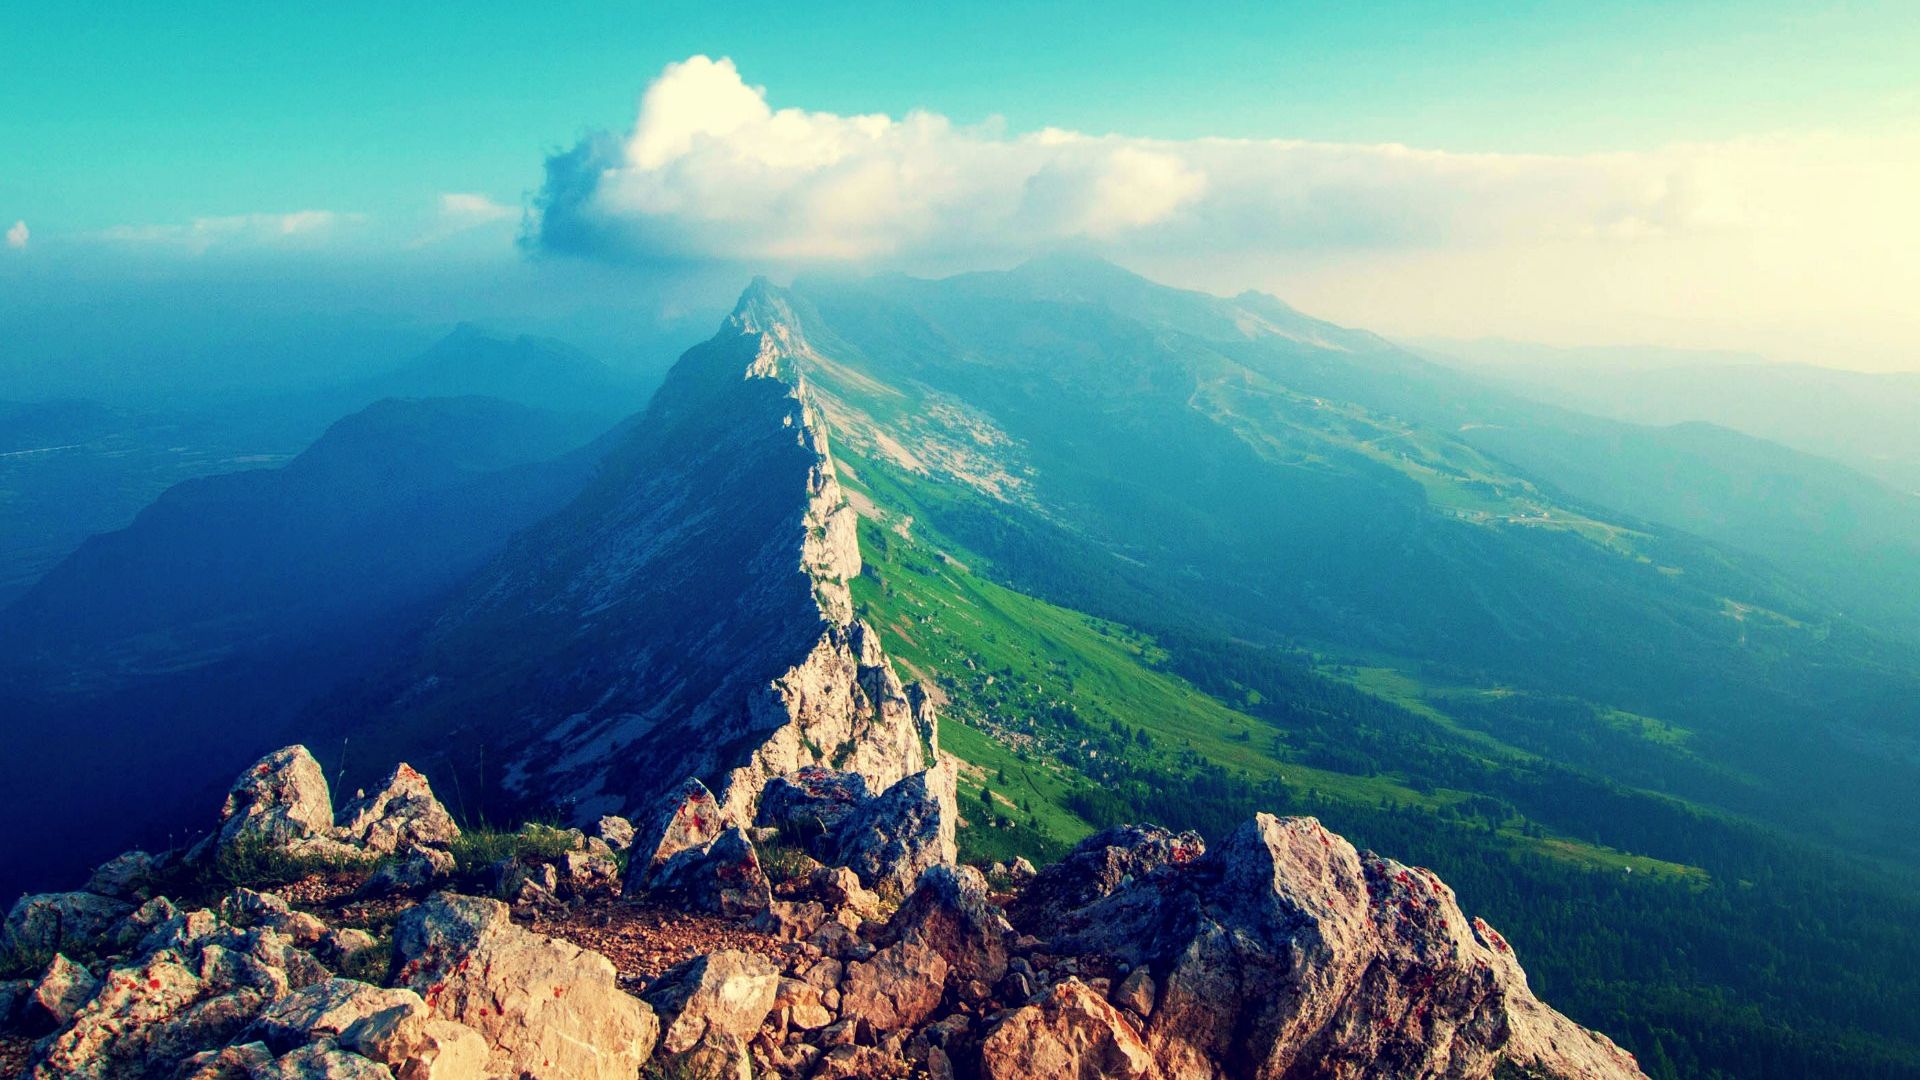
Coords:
pixel 890 839
pixel 544 1006
pixel 1069 1033
pixel 1286 953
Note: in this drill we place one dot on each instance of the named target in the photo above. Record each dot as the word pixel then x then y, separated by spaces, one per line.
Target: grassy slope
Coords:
pixel 1026 677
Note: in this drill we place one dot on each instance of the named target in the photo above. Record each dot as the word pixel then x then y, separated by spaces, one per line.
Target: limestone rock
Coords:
pixel 1096 867
pixel 418 1046
pixel 1136 993
pixel 728 992
pixel 416 868
pixel 615 830
pixel 688 818
pixel 402 812
pixel 722 876
pixel 126 876
pixel 807 804
pixel 895 990
pixel 890 839
pixel 322 1061
pixel 326 1009
pixel 110 1036
pixel 60 992
pixel 949 913
pixel 1287 953
pixel 543 1006
pixel 227 1063
pixel 1070 1034
pixel 280 800
pixel 45 923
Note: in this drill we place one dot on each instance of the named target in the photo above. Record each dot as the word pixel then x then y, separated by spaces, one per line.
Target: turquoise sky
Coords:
pixel 147 113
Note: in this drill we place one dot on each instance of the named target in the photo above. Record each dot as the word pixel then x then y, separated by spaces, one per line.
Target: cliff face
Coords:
pixel 688 615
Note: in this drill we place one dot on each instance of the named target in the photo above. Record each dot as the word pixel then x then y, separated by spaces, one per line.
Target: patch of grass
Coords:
pixel 370 965
pixel 261 864
pixel 784 862
pixel 479 847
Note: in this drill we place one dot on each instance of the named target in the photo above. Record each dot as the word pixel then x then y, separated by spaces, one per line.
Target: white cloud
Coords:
pixel 17 235
pixel 301 228
pixel 465 210
pixel 1739 243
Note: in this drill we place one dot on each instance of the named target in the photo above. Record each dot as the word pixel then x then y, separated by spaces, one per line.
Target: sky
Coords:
pixel 1707 175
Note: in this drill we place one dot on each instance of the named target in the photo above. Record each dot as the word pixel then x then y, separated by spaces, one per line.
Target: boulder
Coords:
pixel 948 912
pixel 418 1046
pixel 895 990
pixel 126 876
pixel 1287 953
pixel 615 831
pixel 1136 993
pixel 281 800
pixel 726 993
pixel 722 876
pixel 544 1006
pixel 401 813
pixel 687 818
pixel 322 1061
pixel 807 804
pixel 590 873
pixel 326 1009
pixel 58 994
pixel 412 870
pixel 802 1004
pixel 1069 1034
pixel 1095 868
pixel 890 839
pixel 838 887
pixel 227 1063
pixel 858 1063
pixel 42 924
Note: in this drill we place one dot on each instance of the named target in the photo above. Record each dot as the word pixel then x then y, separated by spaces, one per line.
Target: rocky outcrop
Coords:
pixel 544 1006
pixel 1096 867
pixel 721 877
pixel 891 839
pixel 282 801
pixel 688 615
pixel 689 817
pixel 1286 953
pixel 401 813
pixel 717 1000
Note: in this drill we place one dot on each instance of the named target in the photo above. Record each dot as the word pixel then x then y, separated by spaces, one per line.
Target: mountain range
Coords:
pixel 1154 554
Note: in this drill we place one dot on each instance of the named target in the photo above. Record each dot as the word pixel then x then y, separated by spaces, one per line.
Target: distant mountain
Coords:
pixel 537 372
pixel 161 653
pixel 1862 419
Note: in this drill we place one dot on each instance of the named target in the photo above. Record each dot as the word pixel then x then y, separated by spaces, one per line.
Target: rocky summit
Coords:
pixel 386 942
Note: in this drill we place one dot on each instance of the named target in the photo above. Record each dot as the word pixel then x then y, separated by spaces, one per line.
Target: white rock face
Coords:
pixel 282 799
pixel 401 812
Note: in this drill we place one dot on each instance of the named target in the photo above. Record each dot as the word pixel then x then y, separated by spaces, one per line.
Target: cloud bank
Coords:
pixel 299 229
pixel 712 171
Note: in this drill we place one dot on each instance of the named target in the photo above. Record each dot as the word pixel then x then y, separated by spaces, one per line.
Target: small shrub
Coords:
pixel 480 847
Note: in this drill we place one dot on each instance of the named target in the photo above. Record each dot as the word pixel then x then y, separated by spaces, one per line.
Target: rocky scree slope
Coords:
pixel 395 945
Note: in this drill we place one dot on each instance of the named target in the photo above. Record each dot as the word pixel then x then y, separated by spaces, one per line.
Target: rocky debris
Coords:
pixel 1070 1033
pixel 615 831
pixel 1096 867
pixel 722 876
pixel 948 912
pixel 688 818
pixel 543 1005
pixel 402 813
pixel 807 804
pixel 282 800
pixel 714 1000
pixel 46 923
pixel 890 839
pixel 60 992
pixel 1286 953
pixel 1281 955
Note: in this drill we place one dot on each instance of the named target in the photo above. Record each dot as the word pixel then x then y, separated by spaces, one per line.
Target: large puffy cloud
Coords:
pixel 712 171
pixel 1796 244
